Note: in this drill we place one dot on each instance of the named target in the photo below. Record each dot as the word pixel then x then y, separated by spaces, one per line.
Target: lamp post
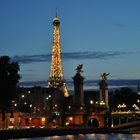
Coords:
pixel 122 108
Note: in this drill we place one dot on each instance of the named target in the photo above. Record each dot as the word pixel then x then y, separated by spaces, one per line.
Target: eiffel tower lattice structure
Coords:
pixel 56 79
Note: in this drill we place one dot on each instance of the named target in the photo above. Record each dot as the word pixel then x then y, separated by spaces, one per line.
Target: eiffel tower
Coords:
pixel 56 79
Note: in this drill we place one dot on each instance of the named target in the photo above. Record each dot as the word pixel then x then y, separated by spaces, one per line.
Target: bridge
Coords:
pixel 125 117
pixel 116 120
pixel 135 125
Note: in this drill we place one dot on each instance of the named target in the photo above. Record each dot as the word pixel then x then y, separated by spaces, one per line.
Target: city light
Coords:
pixel 121 105
pixel 43 120
pixel 91 102
pixel 69 107
pixel 70 118
pixel 22 95
pixel 29 91
pixel 55 105
pixel 135 107
pixel 102 103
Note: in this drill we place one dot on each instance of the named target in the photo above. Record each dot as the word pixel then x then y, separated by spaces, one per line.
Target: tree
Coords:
pixel 123 95
pixel 9 78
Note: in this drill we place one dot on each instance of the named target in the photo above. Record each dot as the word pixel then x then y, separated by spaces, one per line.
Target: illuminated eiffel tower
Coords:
pixel 56 79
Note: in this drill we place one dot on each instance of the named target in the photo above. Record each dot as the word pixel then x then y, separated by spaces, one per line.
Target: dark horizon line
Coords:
pixel 117 79
pixel 89 84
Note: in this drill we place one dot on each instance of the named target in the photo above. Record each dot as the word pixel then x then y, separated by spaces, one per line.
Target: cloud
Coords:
pixel 32 58
pixel 118 24
pixel 24 59
pixel 92 55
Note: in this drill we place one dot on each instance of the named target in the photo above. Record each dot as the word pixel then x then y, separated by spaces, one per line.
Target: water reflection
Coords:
pixel 90 137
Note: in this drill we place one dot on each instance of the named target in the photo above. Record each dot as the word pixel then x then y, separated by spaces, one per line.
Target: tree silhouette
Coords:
pixel 9 78
pixel 123 95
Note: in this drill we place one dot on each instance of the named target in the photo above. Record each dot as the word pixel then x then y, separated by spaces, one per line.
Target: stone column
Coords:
pixel 78 97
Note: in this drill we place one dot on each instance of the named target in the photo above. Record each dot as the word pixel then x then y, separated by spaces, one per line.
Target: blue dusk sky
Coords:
pixel 103 35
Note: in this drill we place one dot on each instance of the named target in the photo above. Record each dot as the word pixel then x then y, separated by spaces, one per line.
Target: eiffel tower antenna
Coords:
pixel 56 12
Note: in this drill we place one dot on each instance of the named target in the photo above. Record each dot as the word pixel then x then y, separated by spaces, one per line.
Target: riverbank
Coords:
pixel 44 132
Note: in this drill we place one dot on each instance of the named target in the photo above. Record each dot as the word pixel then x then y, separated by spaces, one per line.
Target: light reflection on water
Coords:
pixel 90 137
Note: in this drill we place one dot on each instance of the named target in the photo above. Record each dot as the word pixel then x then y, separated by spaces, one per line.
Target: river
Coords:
pixel 90 137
